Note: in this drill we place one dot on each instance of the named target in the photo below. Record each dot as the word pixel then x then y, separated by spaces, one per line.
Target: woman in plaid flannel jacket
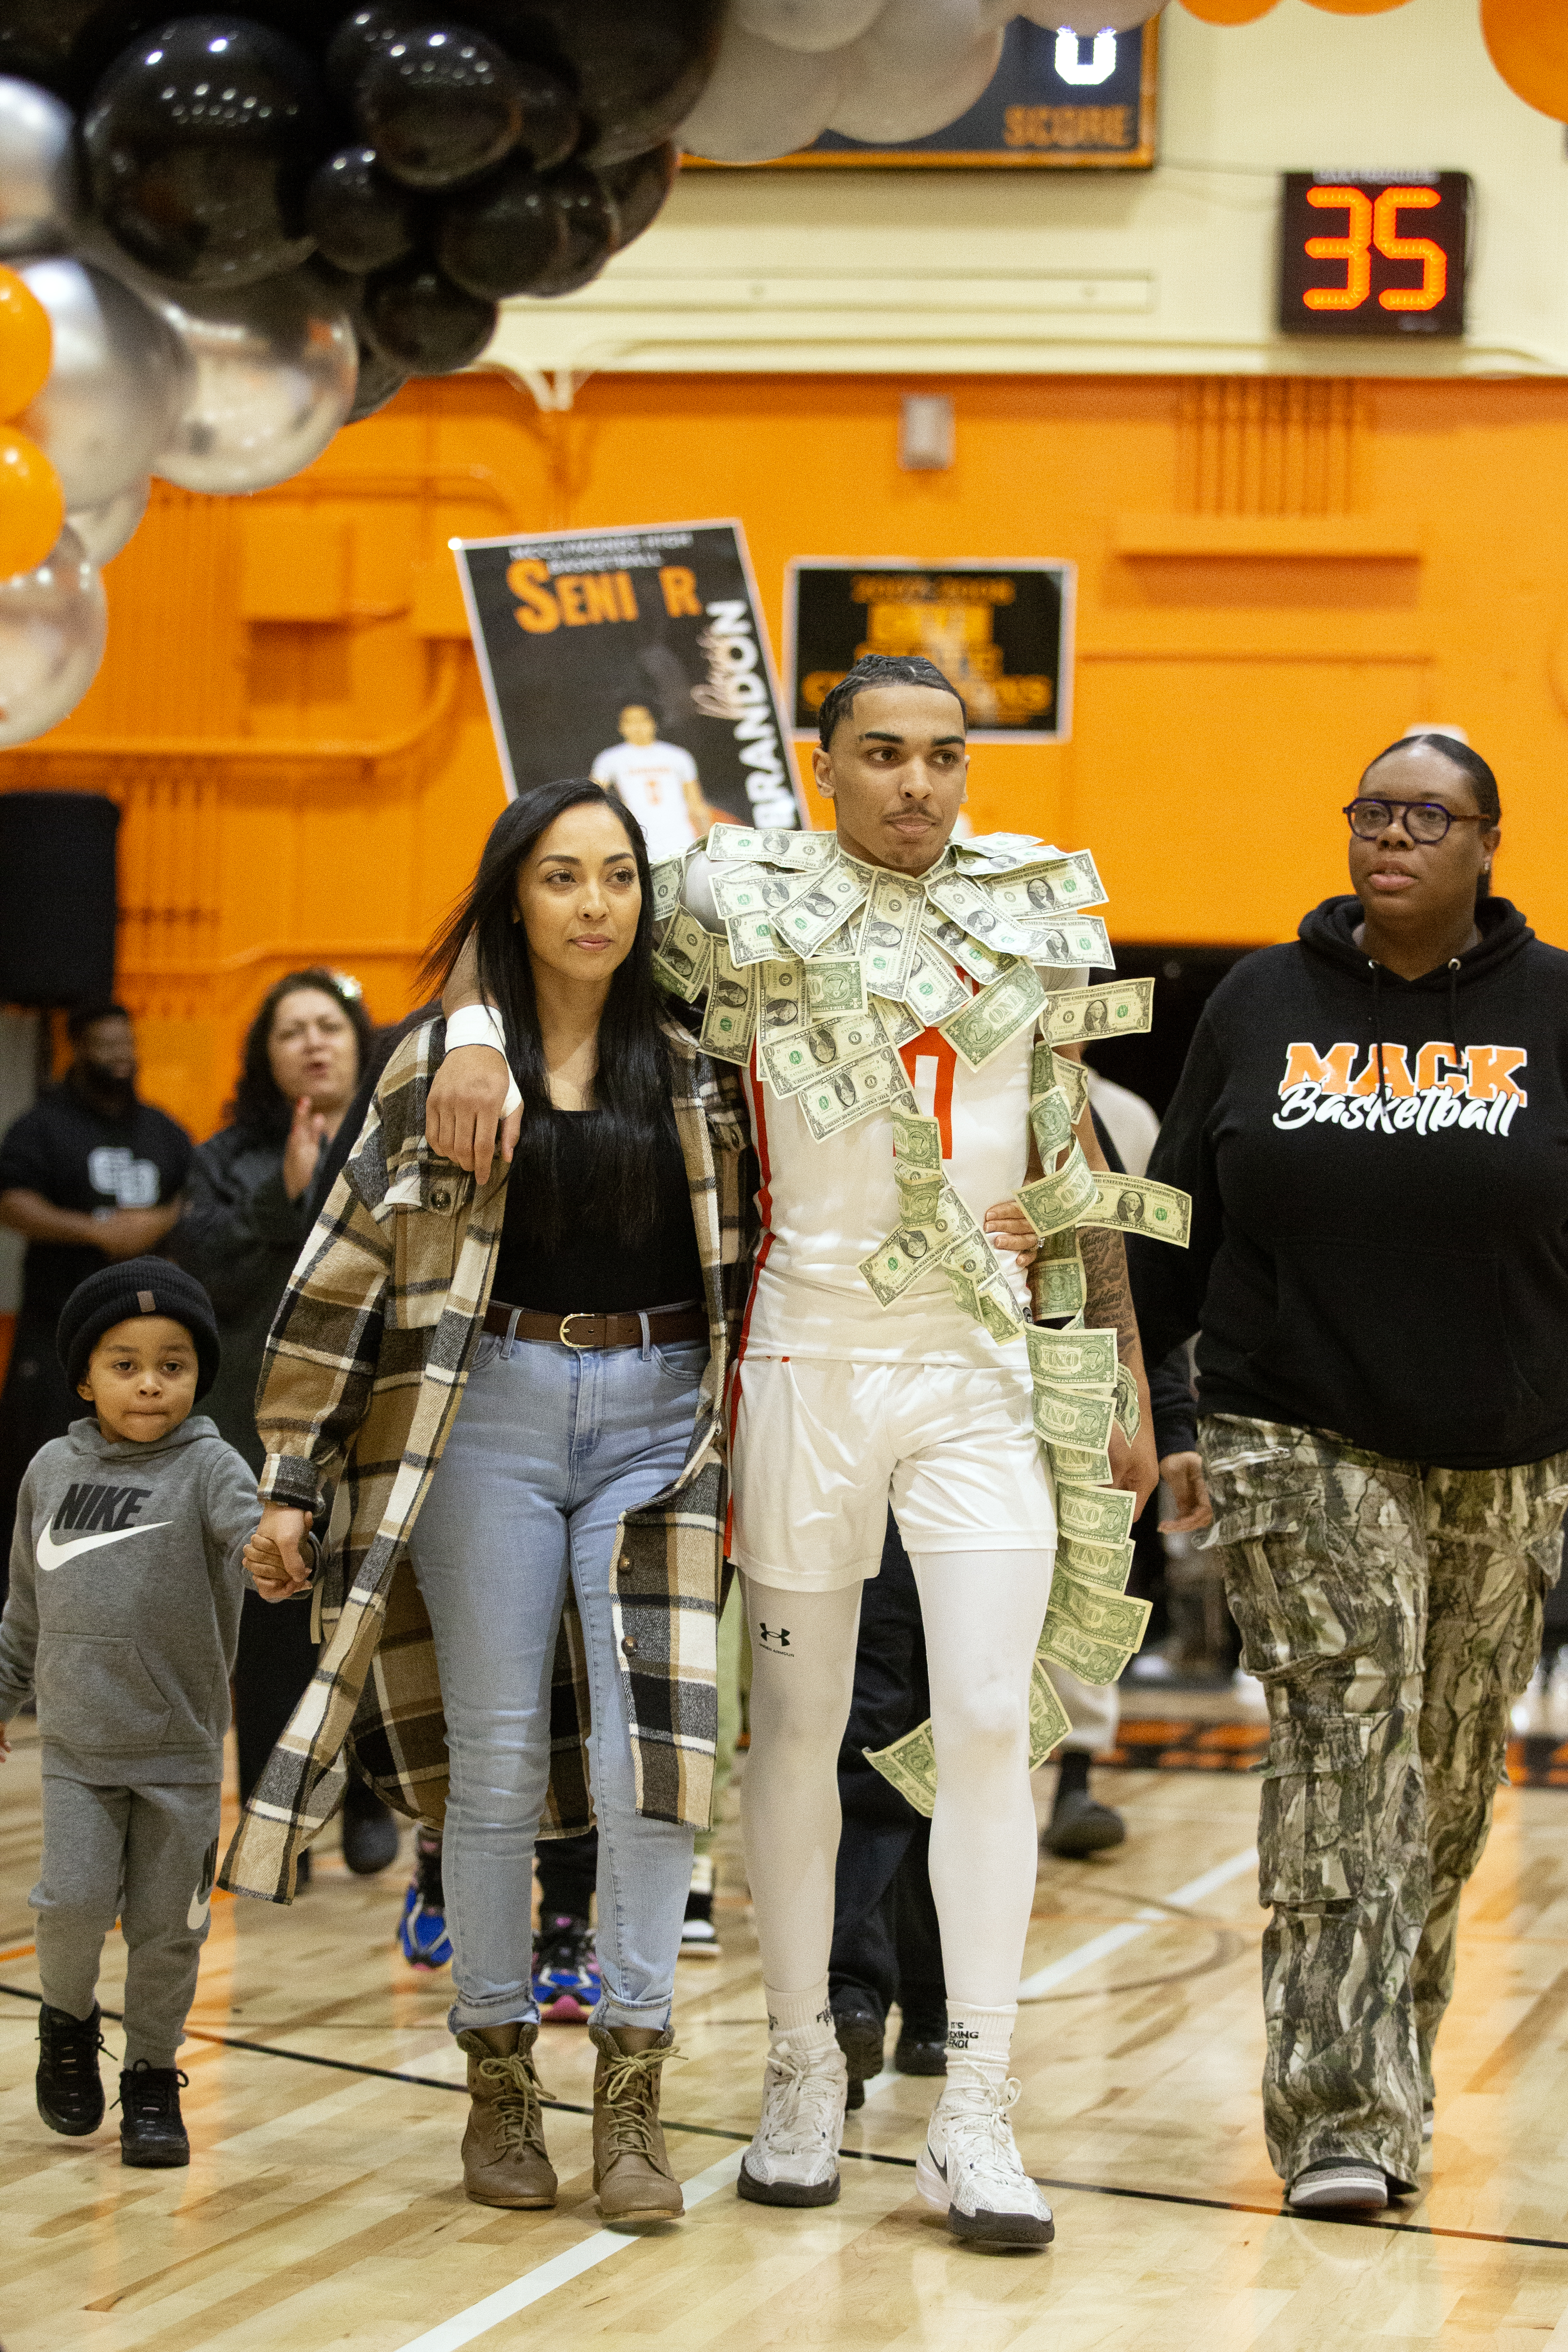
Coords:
pixel 377 1360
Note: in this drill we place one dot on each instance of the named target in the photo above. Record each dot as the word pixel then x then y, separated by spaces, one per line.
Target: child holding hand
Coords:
pixel 123 1615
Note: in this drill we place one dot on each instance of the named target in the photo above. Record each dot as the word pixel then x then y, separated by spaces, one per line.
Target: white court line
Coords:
pixel 481 2316
pixel 1196 1890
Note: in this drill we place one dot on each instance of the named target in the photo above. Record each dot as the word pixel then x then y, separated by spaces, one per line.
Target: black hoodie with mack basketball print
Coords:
pixel 1379 1241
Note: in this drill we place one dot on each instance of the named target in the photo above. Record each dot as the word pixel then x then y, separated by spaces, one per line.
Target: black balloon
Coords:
pixel 550 119
pixel 380 378
pixel 69 44
pixel 200 139
pixel 639 66
pixel 585 206
pixel 419 319
pixel 504 235
pixel 359 218
pixel 66 44
pixel 638 189
pixel 440 105
pixel 360 38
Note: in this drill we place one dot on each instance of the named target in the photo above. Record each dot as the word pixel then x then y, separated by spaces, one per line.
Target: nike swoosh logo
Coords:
pixel 200 1907
pixel 54 1555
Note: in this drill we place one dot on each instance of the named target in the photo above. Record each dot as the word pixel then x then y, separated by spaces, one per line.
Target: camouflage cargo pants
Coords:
pixel 1393 1613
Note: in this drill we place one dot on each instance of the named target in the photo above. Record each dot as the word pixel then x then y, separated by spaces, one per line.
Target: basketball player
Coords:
pixel 657 781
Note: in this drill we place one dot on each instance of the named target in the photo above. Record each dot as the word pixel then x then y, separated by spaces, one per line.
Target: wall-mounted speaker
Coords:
pixel 57 898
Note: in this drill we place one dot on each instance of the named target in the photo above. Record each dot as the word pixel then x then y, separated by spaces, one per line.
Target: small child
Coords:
pixel 129 1644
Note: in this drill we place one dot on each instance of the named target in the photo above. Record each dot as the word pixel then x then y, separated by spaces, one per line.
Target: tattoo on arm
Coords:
pixel 1108 1297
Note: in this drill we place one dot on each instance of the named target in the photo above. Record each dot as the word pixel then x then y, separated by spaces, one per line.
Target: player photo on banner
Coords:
pixel 637 657
pixel 1002 631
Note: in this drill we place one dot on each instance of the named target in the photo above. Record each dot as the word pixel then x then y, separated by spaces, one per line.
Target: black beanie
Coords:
pixel 118 1294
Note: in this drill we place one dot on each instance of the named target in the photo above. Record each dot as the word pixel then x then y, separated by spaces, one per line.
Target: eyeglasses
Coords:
pixel 1426 821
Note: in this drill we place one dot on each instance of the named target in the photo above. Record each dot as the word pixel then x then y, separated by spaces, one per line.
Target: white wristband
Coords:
pixel 480 1024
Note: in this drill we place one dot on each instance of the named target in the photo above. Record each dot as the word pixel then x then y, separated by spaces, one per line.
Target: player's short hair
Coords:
pixel 878 669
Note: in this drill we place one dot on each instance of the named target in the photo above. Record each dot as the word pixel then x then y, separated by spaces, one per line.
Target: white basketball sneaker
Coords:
pixel 971 2170
pixel 794 2158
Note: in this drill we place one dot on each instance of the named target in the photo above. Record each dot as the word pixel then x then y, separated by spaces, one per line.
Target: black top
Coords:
pixel 592 1270
pixel 77 1159
pixel 1171 1400
pixel 240 1236
pixel 1394 1270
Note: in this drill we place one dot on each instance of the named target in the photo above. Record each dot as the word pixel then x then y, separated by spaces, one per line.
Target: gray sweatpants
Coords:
pixel 149 1854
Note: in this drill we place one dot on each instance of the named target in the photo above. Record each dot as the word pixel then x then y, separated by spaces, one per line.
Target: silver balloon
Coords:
pixel 103 530
pixel 115 383
pixel 53 622
pixel 806 23
pixel 1087 17
pixel 273 371
pixel 761 100
pixel 922 64
pixel 37 169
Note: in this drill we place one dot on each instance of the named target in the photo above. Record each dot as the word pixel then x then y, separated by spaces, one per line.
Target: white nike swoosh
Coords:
pixel 54 1555
pixel 200 1907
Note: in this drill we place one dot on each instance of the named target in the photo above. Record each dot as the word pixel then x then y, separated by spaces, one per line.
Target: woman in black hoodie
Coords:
pixel 1372 1124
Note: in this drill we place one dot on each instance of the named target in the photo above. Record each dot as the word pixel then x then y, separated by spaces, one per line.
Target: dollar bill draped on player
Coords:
pixel 1137 1205
pixel 910 1764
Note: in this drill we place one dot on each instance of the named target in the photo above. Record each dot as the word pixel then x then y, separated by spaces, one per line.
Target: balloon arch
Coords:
pixel 223 237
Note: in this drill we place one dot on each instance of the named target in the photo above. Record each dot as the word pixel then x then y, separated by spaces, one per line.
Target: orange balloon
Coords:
pixel 1355 7
pixel 1528 43
pixel 32 503
pixel 26 346
pixel 1228 12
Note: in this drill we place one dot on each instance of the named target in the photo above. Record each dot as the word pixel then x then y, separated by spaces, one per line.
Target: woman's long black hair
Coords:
pixel 259 1103
pixel 631 1113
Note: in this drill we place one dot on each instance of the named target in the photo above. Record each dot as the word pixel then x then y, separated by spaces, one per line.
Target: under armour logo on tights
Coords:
pixel 777 1638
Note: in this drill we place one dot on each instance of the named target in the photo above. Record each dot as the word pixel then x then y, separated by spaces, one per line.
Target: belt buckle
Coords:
pixel 583 1346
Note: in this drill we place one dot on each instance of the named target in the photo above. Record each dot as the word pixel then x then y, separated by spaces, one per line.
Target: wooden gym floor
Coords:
pixel 322 2207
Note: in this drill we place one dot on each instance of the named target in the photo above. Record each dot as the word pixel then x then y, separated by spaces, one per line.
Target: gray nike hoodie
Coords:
pixel 125 1584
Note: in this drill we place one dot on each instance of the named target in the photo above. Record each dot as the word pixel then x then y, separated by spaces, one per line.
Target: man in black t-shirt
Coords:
pixel 89 1175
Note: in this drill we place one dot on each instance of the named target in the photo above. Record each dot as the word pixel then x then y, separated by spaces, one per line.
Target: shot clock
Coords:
pixel 1367 256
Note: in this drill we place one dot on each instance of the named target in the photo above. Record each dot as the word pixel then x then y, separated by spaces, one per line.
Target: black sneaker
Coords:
pixel 1080 1825
pixel 922 2046
pixel 70 2095
pixel 860 2029
pixel 150 2132
pixel 565 1970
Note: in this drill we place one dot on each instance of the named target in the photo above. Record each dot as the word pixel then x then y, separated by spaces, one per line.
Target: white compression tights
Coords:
pixel 983 1612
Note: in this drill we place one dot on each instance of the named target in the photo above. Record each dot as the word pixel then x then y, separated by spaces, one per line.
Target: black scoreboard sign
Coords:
pixel 1001 632
pixel 1373 255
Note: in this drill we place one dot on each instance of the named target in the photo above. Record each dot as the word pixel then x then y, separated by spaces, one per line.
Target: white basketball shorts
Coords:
pixel 821 1447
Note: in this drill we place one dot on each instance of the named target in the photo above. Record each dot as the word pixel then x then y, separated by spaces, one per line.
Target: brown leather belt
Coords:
pixel 585 1331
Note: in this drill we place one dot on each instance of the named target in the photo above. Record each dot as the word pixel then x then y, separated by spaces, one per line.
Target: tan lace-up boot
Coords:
pixel 631 2170
pixel 503 2158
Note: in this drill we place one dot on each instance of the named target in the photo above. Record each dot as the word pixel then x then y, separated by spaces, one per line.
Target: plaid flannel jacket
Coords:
pixel 364 1374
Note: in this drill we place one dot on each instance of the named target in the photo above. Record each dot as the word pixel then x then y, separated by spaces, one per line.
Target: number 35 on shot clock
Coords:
pixel 1368 254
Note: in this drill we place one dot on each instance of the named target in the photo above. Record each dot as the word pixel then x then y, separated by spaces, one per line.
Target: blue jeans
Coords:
pixel 551 1444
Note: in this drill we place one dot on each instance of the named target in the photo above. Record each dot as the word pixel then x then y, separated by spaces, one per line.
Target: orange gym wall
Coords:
pixel 1275 577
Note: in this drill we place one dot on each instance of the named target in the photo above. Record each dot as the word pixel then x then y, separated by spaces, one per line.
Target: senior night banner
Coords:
pixel 637 657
